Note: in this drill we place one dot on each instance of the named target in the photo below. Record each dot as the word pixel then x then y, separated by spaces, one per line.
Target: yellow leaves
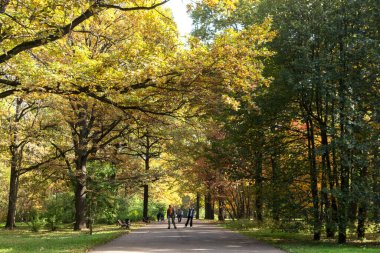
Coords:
pixel 239 56
pixel 231 101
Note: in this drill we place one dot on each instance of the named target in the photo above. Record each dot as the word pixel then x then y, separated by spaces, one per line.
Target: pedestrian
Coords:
pixel 179 215
pixel 170 213
pixel 190 215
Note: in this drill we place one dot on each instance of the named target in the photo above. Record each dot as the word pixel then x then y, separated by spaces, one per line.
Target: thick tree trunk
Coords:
pixel 362 216
pixel 352 211
pixel 209 212
pixel 80 193
pixel 197 207
pixel 15 162
pixel 146 197
pixel 314 180
pixel 221 210
pixel 12 198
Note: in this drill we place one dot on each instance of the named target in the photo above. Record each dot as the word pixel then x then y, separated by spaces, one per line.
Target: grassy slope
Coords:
pixel 303 243
pixel 65 240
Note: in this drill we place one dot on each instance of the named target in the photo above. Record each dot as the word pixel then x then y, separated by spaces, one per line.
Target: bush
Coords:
pixel 294 226
pixel 133 209
pixel 35 222
pixel 59 209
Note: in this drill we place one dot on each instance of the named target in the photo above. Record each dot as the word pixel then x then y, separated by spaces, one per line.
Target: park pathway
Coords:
pixel 202 237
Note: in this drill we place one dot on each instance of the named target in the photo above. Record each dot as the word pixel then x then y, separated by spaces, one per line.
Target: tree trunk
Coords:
pixel 333 179
pixel 376 173
pixel 259 186
pixel 344 107
pixel 221 210
pixel 80 193
pixel 15 161
pixel 209 212
pixel 146 196
pixel 362 210
pixel 12 198
pixel 197 207
pixel 275 191
pixel 330 208
pixel 146 189
pixel 314 180
pixel 344 171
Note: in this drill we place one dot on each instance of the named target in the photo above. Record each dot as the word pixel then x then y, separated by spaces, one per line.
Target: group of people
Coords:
pixel 172 213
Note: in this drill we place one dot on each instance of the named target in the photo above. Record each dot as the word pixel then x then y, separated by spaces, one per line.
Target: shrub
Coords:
pixel 59 209
pixel 35 222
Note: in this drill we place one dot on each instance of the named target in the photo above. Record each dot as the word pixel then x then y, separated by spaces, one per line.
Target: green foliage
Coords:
pixel 102 200
pixel 133 209
pixel 308 139
pixel 59 209
pixel 35 222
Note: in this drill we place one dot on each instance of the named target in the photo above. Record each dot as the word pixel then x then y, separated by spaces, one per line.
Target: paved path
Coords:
pixel 157 237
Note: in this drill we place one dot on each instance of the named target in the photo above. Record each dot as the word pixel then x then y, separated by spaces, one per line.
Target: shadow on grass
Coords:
pixel 302 242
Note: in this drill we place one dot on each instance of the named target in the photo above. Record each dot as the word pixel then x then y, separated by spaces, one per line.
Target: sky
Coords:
pixel 180 15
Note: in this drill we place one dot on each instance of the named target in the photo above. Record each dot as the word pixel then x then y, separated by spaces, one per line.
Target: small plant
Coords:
pixel 35 222
pixel 52 223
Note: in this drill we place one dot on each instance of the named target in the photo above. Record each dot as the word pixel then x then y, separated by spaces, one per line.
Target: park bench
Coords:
pixel 125 224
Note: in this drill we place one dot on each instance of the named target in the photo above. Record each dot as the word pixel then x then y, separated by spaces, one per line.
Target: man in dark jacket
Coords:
pixel 170 213
pixel 190 215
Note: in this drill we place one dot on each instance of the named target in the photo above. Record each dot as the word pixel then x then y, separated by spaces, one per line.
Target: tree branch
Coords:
pixel 153 6
pixel 62 31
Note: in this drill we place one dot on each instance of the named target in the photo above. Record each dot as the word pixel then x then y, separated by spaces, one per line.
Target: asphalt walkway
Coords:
pixel 156 237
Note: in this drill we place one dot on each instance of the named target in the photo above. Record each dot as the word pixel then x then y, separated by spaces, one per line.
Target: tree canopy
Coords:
pixel 268 110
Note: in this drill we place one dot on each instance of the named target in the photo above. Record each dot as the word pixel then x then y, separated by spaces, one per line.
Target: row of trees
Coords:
pixel 86 86
pixel 270 110
pixel 307 145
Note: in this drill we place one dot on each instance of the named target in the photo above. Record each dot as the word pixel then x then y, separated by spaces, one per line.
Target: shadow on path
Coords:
pixel 203 237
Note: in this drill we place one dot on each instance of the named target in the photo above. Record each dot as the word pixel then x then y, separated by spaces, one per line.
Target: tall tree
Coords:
pixel 28 128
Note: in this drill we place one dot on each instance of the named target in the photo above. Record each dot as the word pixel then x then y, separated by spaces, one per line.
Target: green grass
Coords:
pixel 303 243
pixel 64 241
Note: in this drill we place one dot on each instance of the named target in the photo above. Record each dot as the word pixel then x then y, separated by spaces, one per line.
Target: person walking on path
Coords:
pixel 170 213
pixel 179 215
pixel 190 215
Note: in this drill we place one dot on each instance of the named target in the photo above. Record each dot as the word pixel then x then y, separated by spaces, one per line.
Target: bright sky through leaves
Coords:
pixel 180 15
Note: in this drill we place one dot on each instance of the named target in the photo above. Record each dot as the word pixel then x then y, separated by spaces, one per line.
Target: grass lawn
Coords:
pixel 303 243
pixel 64 240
